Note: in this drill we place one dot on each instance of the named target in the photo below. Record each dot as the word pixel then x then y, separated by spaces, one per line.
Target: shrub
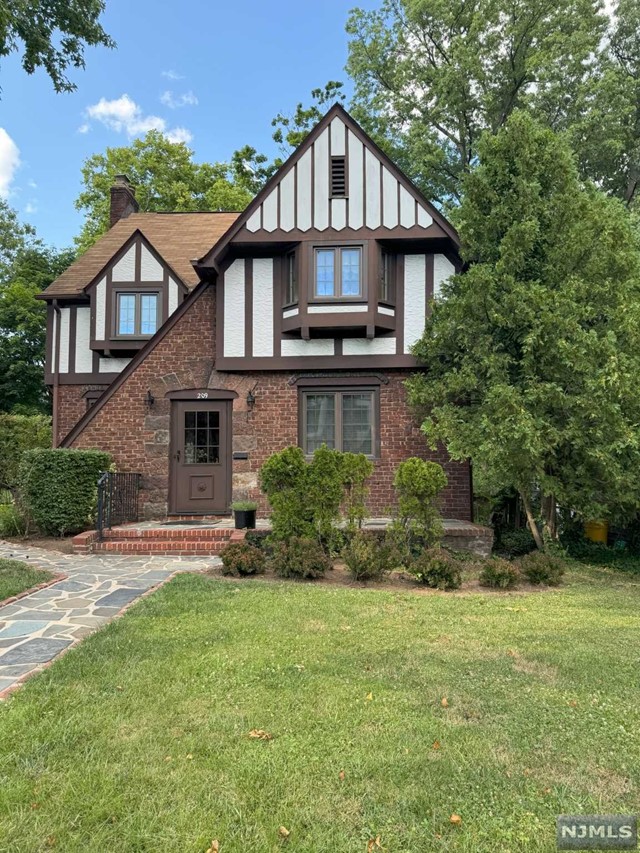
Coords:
pixel 542 568
pixel 324 487
pixel 300 557
pixel 59 490
pixel 437 568
pixel 369 557
pixel 515 543
pixel 418 524
pixel 242 558
pixel 17 434
pixel 283 480
pixel 356 470
pixel 259 538
pixel 12 522
pixel 499 574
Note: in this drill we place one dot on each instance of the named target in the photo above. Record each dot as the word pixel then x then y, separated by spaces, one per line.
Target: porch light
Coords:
pixel 251 399
pixel 150 399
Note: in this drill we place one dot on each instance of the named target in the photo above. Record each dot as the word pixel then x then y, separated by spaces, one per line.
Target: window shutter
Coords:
pixel 338 177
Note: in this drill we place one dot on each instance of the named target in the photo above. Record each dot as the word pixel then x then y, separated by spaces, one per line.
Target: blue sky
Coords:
pixel 228 69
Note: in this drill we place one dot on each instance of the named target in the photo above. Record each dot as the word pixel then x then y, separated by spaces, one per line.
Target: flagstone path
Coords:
pixel 37 628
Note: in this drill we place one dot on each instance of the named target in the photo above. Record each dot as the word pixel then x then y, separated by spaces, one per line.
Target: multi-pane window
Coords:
pixel 338 273
pixel 137 314
pixel 201 438
pixel 291 282
pixel 343 420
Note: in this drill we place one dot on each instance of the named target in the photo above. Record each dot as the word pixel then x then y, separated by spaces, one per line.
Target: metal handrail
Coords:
pixel 118 499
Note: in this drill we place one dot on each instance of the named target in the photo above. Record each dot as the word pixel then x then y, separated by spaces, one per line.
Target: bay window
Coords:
pixel 338 272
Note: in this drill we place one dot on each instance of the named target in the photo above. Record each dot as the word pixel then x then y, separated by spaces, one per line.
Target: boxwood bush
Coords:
pixel 242 558
pixel 300 557
pixel 369 557
pixel 59 488
pixel 499 574
pixel 542 568
pixel 437 568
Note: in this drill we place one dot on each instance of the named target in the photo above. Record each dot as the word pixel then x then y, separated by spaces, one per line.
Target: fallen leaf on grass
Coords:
pixel 369 697
pixel 50 841
pixel 572 704
pixel 190 757
pixel 374 843
pixel 341 775
pixel 444 702
pixel 435 744
pixel 283 832
pixel 455 819
pixel 260 734
pixel 215 846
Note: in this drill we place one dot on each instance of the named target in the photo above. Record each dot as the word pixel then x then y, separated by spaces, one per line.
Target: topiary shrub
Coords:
pixel 58 488
pixel 242 558
pixel 437 568
pixel 300 557
pixel 324 488
pixel 356 470
pixel 499 574
pixel 283 480
pixel 541 568
pixel 418 524
pixel 515 543
pixel 12 522
pixel 369 557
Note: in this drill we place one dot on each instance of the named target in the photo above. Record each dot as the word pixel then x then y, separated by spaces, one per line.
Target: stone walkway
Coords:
pixel 37 628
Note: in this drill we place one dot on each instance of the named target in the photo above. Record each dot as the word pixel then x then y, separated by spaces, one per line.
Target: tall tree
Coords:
pixel 52 34
pixel 165 177
pixel 26 268
pixel 531 358
pixel 431 77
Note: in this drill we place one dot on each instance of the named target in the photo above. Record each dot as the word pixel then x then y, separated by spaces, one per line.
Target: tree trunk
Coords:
pixel 533 527
pixel 549 516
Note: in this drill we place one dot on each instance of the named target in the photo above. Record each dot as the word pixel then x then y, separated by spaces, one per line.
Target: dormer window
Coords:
pixel 338 272
pixel 137 314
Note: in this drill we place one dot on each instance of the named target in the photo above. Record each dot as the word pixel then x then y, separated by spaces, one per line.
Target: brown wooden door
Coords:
pixel 200 456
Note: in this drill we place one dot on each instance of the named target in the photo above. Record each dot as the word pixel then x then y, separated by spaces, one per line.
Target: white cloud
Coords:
pixel 30 207
pixel 9 162
pixel 188 99
pixel 124 115
pixel 84 128
pixel 179 134
pixel 32 184
pixel 172 75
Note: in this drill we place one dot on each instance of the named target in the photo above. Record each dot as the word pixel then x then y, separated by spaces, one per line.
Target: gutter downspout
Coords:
pixel 56 371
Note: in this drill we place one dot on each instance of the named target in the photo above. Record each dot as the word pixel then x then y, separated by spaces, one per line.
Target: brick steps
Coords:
pixel 192 541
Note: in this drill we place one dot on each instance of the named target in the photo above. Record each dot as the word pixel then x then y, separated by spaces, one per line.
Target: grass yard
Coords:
pixel 138 740
pixel 16 577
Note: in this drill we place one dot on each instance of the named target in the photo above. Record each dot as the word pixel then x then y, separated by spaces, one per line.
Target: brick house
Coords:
pixel 193 345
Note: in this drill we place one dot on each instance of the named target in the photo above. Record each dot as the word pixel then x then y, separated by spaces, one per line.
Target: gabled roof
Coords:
pixel 337 110
pixel 177 237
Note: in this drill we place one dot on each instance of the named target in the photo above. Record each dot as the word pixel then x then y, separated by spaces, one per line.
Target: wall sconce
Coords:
pixel 150 399
pixel 251 400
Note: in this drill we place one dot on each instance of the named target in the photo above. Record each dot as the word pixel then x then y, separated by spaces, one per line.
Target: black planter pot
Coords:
pixel 245 518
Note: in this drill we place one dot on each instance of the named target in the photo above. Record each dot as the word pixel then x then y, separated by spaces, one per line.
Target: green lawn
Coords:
pixel 137 740
pixel 15 577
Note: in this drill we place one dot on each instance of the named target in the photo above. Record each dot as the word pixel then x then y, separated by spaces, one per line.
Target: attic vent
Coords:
pixel 338 177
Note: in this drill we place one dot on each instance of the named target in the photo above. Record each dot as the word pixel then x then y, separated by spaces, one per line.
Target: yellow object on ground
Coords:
pixel 596 531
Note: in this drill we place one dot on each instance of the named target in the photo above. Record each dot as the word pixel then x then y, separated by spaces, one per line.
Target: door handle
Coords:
pixel 178 455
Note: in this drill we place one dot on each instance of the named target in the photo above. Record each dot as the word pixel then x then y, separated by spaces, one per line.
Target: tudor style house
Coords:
pixel 191 346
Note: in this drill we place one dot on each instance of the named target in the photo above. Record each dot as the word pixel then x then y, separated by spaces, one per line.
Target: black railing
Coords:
pixel 117 499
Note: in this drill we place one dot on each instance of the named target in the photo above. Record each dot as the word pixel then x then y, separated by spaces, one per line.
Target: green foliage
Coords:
pixel 12 522
pixel 165 177
pixel 499 574
pixel 356 470
pixel 17 434
pixel 300 557
pixel 437 568
pixel 242 558
pixel 369 557
pixel 58 488
pixel 306 497
pixel 418 484
pixel 515 543
pixel 244 506
pixel 531 359
pixel 52 34
pixel 541 568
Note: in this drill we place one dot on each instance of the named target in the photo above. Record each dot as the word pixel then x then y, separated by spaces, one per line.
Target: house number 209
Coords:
pixel 203 395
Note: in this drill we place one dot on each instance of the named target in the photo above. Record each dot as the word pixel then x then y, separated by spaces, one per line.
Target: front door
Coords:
pixel 200 456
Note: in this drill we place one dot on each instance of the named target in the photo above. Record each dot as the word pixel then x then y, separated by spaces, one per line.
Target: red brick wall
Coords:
pixel 138 437
pixel 71 405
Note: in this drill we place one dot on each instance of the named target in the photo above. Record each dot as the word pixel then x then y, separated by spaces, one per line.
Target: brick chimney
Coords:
pixel 123 200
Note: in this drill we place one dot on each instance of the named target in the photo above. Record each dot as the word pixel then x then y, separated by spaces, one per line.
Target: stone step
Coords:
pixel 165 533
pixel 180 547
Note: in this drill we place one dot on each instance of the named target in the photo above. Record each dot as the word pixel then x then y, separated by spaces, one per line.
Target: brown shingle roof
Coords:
pixel 178 237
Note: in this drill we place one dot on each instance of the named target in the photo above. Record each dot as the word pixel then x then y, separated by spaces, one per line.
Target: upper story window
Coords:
pixel 291 279
pixel 338 273
pixel 137 314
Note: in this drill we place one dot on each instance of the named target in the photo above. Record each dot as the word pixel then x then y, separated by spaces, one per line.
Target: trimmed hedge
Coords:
pixel 58 488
